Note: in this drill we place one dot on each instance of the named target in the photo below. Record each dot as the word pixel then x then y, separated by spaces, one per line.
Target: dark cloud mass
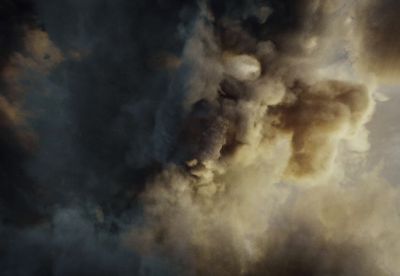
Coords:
pixel 171 137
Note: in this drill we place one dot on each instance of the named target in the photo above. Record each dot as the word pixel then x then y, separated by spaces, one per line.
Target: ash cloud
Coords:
pixel 257 114
pixel 183 138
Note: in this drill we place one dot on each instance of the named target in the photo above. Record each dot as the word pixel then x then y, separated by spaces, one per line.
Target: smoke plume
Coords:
pixel 194 138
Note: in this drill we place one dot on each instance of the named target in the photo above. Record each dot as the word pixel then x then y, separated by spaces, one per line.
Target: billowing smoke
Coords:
pixel 207 138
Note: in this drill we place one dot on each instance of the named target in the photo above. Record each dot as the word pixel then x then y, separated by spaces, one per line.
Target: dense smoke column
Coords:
pixel 251 83
pixel 264 62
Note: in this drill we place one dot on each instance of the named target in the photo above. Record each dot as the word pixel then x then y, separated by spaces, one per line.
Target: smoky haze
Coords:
pixel 197 138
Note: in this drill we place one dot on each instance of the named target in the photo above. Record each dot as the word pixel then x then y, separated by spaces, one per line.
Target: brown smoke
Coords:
pixel 260 123
pixel 258 115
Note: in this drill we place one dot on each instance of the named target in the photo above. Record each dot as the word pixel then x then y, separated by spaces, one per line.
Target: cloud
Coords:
pixel 162 138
